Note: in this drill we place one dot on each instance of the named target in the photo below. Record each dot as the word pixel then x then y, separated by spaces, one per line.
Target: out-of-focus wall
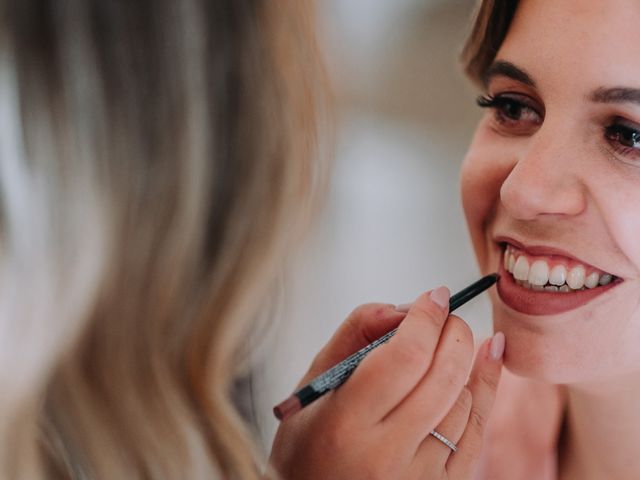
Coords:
pixel 393 225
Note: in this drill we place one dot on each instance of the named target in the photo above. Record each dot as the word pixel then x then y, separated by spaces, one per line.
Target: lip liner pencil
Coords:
pixel 338 374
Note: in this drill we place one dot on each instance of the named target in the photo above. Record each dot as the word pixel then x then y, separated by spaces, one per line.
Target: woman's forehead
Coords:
pixel 586 44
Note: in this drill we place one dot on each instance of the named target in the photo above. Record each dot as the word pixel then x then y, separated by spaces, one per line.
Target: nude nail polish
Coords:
pixel 496 348
pixel 440 296
pixel 404 308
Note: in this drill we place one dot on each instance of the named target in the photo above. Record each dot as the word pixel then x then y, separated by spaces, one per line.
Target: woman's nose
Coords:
pixel 545 179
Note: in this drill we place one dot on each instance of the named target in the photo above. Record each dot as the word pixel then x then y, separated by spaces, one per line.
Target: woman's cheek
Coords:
pixel 481 178
pixel 613 193
pixel 472 187
pixel 471 190
pixel 624 226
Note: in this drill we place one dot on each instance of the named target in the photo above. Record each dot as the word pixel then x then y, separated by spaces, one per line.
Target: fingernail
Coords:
pixel 440 296
pixel 496 349
pixel 404 307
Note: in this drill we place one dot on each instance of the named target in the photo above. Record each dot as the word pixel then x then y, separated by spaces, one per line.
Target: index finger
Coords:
pixel 390 372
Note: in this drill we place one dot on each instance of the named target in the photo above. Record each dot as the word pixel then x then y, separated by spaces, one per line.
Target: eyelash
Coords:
pixel 622 136
pixel 509 110
pixel 624 139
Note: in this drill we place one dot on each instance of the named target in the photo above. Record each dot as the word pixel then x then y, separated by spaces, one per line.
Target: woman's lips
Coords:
pixel 533 302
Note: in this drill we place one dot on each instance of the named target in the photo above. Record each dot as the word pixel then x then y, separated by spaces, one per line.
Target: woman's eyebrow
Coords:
pixel 615 95
pixel 507 69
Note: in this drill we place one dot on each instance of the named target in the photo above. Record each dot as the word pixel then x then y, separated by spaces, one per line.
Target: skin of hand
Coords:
pixel 377 425
pixel 522 433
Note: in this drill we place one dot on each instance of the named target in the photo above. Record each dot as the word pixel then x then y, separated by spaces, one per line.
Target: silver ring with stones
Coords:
pixel 444 440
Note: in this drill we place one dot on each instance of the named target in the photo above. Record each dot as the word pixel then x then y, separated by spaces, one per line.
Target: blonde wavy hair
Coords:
pixel 155 166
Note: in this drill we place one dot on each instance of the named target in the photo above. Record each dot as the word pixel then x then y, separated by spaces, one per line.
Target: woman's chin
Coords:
pixel 539 354
pixel 523 364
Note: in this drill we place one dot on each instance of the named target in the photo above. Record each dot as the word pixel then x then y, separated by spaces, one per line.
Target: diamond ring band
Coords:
pixel 444 440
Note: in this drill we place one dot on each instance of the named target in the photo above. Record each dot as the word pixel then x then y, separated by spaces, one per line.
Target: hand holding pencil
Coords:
pixel 407 410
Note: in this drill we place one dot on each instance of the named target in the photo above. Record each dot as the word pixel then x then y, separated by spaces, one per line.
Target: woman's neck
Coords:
pixel 602 430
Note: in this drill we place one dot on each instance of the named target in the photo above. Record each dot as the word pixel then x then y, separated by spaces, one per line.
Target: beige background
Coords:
pixel 393 224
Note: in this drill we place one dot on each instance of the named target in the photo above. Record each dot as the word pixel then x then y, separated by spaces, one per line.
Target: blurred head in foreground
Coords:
pixel 155 163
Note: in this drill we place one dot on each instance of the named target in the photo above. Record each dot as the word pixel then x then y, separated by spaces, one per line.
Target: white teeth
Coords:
pixel 539 273
pixel 509 260
pixel 575 277
pixel 592 280
pixel 558 275
pixel 538 276
pixel 521 269
pixel 605 279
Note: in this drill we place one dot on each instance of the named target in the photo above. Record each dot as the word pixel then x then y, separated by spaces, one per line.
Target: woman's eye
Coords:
pixel 513 112
pixel 623 135
pixel 624 139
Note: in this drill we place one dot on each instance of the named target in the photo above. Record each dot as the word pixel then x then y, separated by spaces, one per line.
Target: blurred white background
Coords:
pixel 393 225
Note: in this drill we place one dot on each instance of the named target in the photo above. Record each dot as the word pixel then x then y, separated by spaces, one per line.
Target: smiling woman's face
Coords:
pixel 551 189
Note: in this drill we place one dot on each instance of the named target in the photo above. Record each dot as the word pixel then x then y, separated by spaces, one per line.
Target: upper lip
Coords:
pixel 536 250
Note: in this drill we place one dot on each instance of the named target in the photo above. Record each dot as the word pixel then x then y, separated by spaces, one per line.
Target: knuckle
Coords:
pixel 474 445
pixel 460 330
pixel 489 380
pixel 365 316
pixel 359 312
pixel 452 374
pixel 429 310
pixel 469 455
pixel 367 310
pixel 472 448
pixel 412 353
pixel 465 400
pixel 477 420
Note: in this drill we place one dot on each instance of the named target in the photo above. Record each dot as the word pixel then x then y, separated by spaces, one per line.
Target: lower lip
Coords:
pixel 535 302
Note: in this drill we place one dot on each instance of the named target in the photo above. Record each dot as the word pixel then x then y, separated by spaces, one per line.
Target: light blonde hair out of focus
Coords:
pixel 155 165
